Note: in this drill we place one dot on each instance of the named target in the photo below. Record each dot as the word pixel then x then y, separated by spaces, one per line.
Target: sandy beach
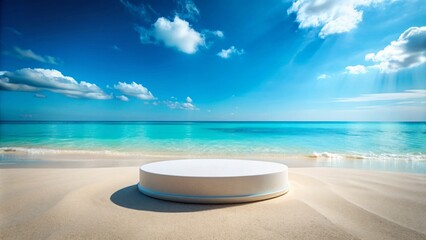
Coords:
pixel 103 203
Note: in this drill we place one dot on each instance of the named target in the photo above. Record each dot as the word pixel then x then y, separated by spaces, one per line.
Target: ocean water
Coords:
pixel 400 144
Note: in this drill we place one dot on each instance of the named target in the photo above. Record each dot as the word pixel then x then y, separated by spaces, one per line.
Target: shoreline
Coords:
pixel 25 157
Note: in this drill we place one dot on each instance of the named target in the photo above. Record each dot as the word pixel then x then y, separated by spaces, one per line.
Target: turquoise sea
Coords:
pixel 389 146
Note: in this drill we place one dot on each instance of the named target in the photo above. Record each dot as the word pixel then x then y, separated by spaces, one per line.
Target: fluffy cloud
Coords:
pixel 181 105
pixel 135 90
pixel 333 16
pixel 406 52
pixel 398 96
pixel 177 34
pixel 232 51
pixel 28 79
pixel 322 76
pixel 358 69
pixel 122 98
pixel 29 54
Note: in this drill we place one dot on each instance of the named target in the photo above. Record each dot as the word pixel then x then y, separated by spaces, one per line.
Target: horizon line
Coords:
pixel 207 121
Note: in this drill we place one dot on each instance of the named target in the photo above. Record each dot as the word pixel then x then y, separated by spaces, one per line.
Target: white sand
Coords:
pixel 103 203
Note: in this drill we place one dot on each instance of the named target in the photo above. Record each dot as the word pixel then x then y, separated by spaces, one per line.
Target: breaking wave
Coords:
pixel 369 156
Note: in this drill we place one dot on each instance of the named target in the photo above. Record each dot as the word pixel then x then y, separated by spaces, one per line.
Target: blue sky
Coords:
pixel 213 60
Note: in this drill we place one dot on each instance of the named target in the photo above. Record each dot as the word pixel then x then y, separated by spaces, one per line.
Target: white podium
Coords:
pixel 213 180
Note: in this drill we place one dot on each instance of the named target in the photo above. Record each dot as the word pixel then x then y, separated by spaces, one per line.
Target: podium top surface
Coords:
pixel 213 168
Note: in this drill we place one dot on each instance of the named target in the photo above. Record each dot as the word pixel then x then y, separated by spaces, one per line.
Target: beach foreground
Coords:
pixel 103 203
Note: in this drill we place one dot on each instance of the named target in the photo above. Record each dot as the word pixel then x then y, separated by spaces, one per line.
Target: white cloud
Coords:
pixel 232 51
pixel 29 54
pixel 122 98
pixel 323 76
pixel 357 69
pixel 218 33
pixel 333 16
pixel 398 96
pixel 176 34
pixel 28 79
pixel 188 105
pixel 187 9
pixel 406 52
pixel 135 90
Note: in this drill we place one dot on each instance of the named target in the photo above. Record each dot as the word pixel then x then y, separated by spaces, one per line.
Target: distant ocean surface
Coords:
pixel 391 143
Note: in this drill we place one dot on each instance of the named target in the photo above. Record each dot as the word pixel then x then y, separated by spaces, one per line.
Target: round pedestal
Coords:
pixel 213 180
